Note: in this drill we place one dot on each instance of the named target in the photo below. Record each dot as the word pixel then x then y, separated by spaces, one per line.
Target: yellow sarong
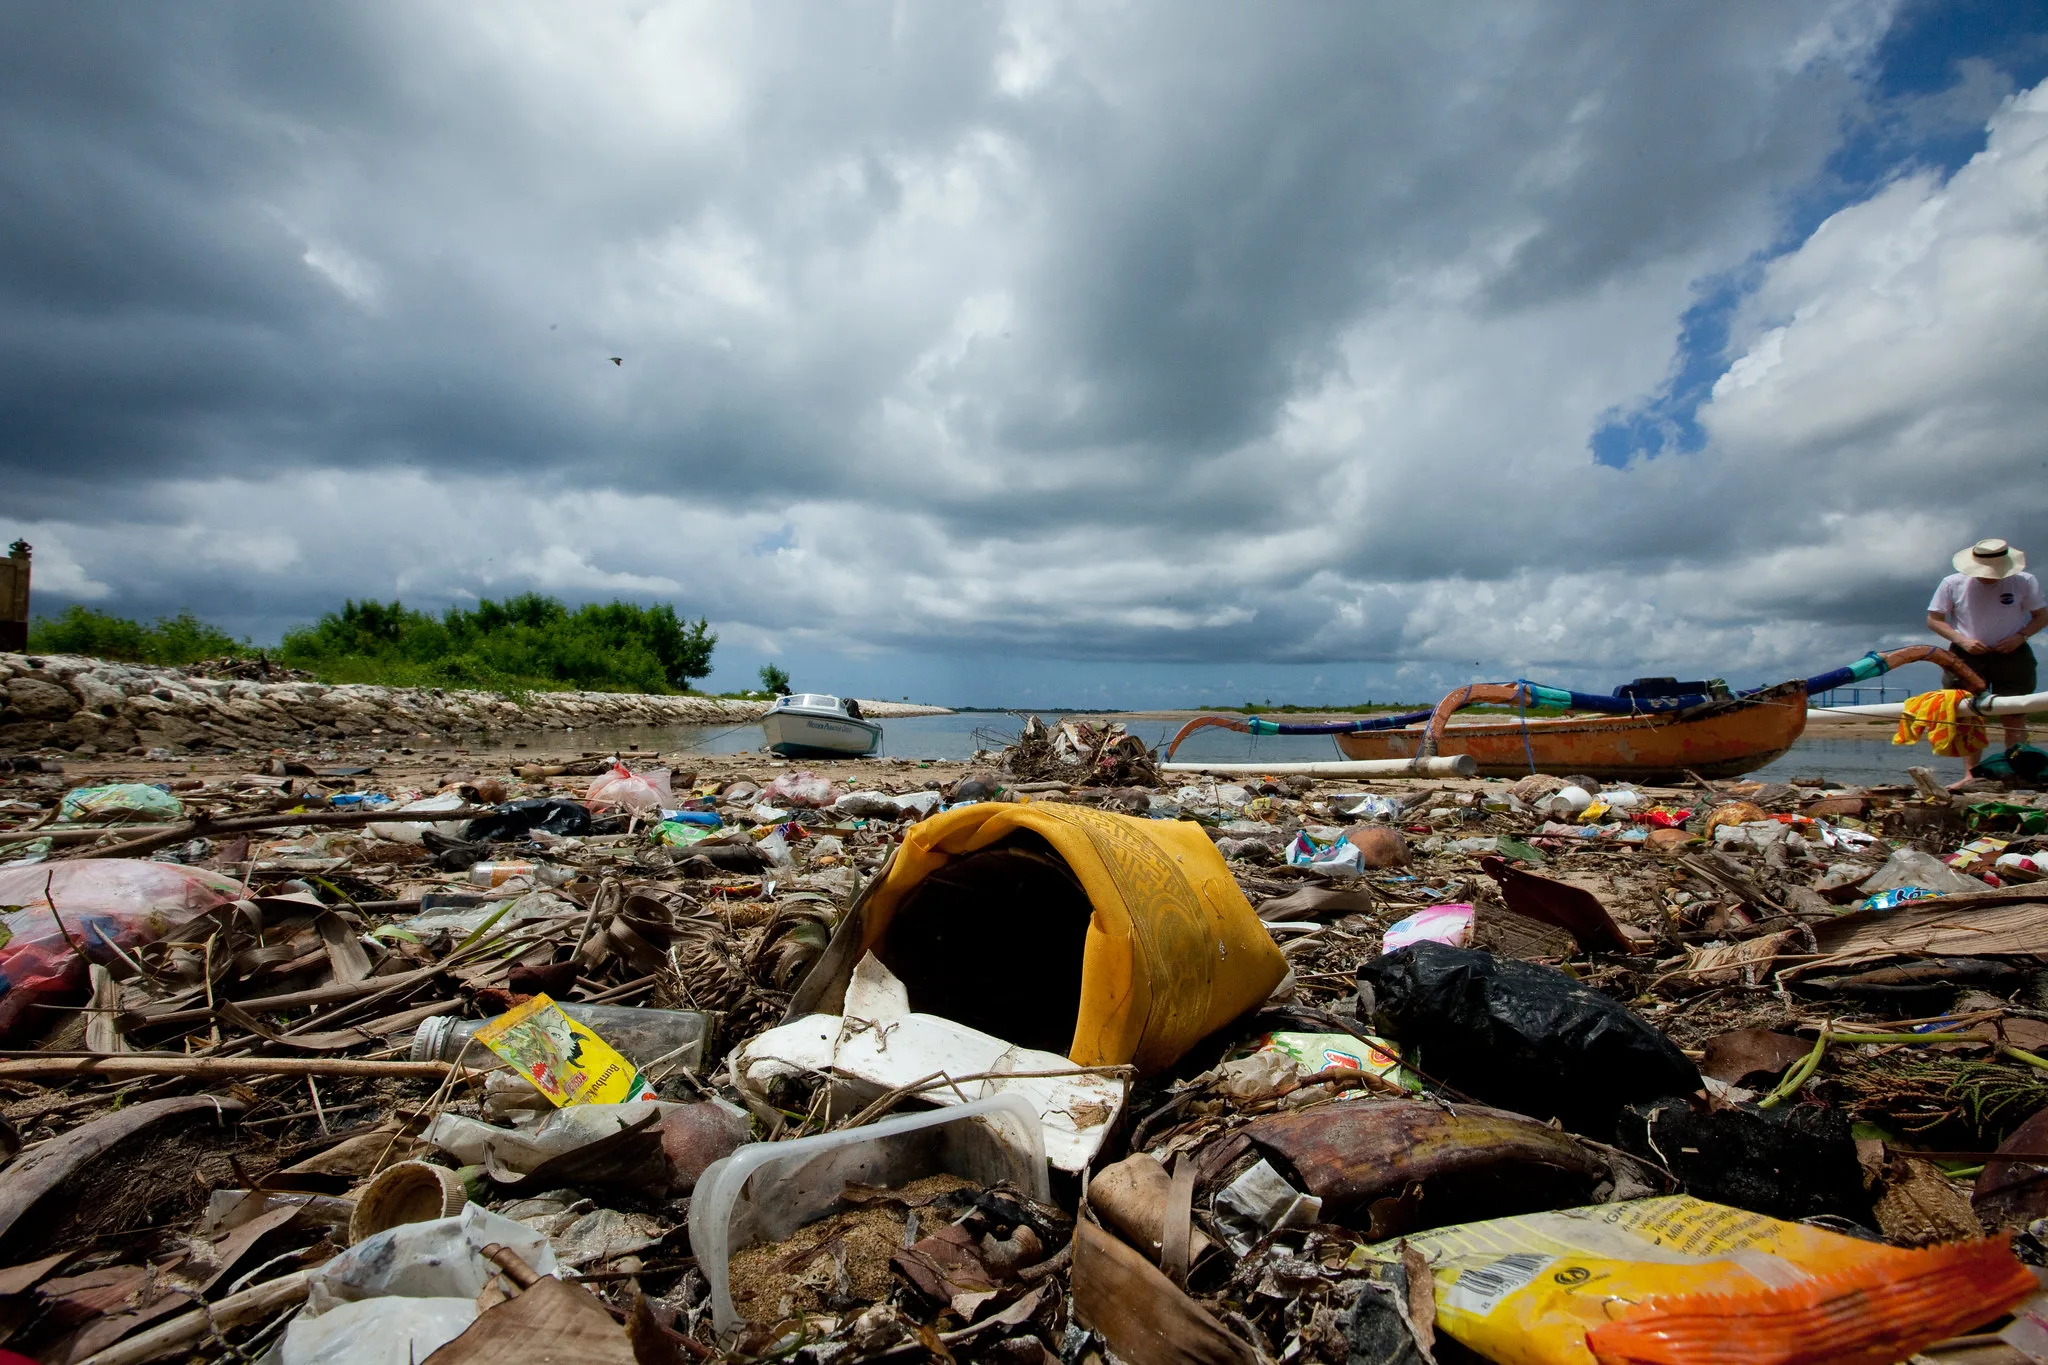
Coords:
pixel 1174 950
pixel 1933 714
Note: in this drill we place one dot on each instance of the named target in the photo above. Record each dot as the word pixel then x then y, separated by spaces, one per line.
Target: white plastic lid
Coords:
pixel 429 1038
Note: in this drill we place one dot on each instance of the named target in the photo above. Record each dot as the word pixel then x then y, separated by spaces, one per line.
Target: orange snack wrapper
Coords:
pixel 1679 1281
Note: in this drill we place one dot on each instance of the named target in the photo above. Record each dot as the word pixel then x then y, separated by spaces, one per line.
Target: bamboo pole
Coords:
pixel 167 1064
pixel 2023 705
pixel 1454 765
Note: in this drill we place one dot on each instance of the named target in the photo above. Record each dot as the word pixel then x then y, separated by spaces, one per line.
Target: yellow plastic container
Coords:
pixel 1173 950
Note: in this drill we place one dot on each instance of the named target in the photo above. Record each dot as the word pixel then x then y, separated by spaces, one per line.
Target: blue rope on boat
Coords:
pixel 1871 665
pixel 1539 695
pixel 1259 725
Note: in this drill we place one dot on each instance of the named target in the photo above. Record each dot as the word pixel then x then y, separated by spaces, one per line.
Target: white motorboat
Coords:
pixel 812 725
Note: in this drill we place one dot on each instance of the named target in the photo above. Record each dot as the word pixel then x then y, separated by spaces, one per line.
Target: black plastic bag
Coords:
pixel 550 814
pixel 1519 1036
pixel 1792 1163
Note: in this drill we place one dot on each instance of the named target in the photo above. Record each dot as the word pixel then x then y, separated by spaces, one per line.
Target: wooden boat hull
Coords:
pixel 1724 739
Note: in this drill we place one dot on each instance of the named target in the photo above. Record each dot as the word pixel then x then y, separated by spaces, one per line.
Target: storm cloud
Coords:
pixel 1097 337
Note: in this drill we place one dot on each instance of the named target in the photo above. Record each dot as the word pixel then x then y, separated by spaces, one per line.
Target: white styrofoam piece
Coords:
pixel 881 1042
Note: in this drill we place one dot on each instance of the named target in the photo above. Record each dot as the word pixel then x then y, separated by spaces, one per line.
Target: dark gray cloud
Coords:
pixel 1140 333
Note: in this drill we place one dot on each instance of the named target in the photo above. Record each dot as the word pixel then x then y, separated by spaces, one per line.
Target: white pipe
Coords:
pixel 1892 710
pixel 1455 765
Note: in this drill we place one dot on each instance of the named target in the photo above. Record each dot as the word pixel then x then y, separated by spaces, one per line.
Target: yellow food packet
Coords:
pixel 565 1061
pixel 1679 1281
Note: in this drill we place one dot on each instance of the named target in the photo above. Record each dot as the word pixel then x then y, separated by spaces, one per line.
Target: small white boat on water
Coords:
pixel 812 725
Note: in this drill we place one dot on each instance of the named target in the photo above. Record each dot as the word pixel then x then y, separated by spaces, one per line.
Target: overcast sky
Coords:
pixel 1111 354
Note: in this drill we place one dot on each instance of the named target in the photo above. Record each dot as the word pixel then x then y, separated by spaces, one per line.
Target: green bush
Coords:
pixel 523 643
pixel 173 640
pixel 528 641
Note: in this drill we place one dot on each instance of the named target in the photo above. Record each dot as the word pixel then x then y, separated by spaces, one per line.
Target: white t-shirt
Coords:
pixel 1987 609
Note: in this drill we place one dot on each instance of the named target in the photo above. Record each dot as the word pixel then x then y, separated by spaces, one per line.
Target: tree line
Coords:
pixel 528 641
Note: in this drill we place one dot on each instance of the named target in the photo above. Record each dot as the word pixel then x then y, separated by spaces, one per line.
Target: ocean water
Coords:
pixel 1862 760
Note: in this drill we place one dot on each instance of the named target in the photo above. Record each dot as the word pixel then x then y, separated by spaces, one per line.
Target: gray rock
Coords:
pixel 40 700
pixel 96 694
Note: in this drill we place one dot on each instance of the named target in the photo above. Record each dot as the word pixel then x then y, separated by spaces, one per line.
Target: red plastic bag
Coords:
pixel 122 901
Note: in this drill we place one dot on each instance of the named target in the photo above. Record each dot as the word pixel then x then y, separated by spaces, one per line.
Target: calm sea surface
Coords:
pixel 1860 760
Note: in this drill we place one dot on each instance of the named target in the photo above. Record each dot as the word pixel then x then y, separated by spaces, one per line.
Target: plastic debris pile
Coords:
pixel 371 1055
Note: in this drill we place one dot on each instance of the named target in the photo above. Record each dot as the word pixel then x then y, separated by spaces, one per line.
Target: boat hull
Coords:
pixel 1725 739
pixel 799 734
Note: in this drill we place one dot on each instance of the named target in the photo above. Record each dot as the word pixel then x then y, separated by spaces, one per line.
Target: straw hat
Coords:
pixel 1991 559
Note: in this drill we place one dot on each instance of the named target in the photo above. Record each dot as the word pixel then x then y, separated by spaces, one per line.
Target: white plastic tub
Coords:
pixel 766 1191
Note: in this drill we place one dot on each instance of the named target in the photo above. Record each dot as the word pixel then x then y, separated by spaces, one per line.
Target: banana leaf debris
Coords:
pixel 369 1054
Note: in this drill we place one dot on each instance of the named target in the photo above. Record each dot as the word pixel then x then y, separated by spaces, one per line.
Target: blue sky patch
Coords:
pixel 1939 72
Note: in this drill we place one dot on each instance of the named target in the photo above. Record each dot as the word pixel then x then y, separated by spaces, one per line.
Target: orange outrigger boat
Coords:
pixel 1634 736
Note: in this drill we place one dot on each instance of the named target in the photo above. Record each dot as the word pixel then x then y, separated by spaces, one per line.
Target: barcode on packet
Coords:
pixel 1480 1287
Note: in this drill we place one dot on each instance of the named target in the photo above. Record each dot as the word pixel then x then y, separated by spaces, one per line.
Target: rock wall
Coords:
pixel 95 706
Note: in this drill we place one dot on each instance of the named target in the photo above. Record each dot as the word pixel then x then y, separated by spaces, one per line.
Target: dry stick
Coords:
pixel 597 901
pixel 436 1100
pixel 272 1120
pixel 394 985
pixel 50 899
pixel 76 834
pixel 400 985
pixel 619 992
pixel 203 827
pixel 316 995
pixel 212 1068
pixel 183 1330
pixel 671 1055
pixel 212 1007
pixel 118 951
pixel 939 1078
pixel 889 1101
pixel 375 987
pixel 320 1023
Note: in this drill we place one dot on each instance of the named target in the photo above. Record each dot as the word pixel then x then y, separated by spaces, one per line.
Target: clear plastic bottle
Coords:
pixel 642 1036
pixel 501 871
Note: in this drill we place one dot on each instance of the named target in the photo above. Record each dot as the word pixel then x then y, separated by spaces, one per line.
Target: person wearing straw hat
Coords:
pixel 1987 609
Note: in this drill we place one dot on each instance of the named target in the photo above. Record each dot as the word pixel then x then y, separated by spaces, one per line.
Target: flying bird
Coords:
pixel 618 360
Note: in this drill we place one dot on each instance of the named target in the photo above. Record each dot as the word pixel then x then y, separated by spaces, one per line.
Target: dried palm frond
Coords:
pixel 708 969
pixel 1987 1097
pixel 1082 753
pixel 744 974
pixel 794 939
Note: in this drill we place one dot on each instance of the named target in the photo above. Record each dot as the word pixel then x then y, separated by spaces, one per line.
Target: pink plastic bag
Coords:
pixel 1447 924
pixel 802 789
pixel 125 901
pixel 640 793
